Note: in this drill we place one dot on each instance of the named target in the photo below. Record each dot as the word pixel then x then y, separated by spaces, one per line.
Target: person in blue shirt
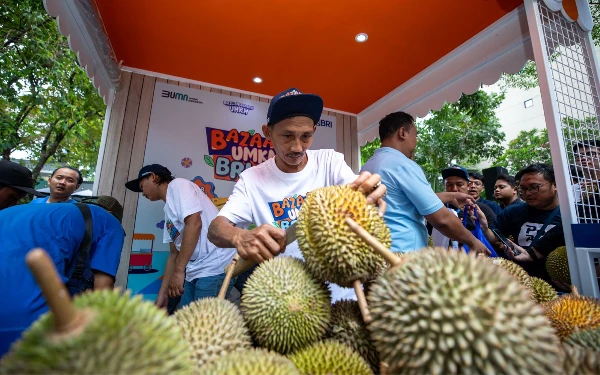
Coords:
pixel 62 183
pixel 59 229
pixel 475 188
pixel 410 199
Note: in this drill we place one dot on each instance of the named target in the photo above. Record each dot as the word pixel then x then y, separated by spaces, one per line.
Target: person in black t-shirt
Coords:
pixel 524 222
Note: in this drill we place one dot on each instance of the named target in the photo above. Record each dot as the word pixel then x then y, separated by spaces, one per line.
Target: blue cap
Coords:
pixel 455 170
pixel 291 103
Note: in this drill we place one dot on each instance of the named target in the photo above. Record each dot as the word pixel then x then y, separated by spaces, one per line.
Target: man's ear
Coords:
pixel 267 131
pixel 401 133
pixel 154 178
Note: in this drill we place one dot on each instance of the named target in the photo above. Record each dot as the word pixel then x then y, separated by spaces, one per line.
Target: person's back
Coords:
pixel 59 229
pixel 406 189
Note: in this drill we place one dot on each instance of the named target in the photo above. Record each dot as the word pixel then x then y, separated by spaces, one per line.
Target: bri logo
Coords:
pixel 325 123
pixel 237 107
pixel 179 96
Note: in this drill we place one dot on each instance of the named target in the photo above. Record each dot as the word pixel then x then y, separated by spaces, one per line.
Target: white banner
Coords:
pixel 209 139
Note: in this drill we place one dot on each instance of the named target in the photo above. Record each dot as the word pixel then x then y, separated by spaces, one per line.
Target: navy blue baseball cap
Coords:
pixel 291 103
pixel 134 185
pixel 455 170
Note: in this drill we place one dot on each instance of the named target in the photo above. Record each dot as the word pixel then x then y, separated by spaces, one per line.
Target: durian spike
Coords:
pixel 66 317
pixel 362 301
pixel 383 368
pixel 228 276
pixel 389 257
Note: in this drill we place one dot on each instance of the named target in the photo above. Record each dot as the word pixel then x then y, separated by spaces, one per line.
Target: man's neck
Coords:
pixel 397 147
pixel 550 206
pixel 162 191
pixel 52 199
pixel 286 168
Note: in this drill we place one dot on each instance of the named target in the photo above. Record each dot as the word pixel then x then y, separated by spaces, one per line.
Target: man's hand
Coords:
pixel 461 200
pixel 370 185
pixel 162 300
pixel 523 254
pixel 480 215
pixel 261 243
pixel 478 248
pixel 176 284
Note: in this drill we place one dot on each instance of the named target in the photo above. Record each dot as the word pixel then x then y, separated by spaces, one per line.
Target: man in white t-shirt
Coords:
pixel 271 194
pixel 195 266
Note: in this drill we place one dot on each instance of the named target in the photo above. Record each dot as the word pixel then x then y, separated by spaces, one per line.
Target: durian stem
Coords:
pixel 58 298
pixel 374 243
pixel 362 301
pixel 574 290
pixel 228 276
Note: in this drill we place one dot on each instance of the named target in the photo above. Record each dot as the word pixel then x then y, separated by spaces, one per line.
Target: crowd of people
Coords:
pixel 85 239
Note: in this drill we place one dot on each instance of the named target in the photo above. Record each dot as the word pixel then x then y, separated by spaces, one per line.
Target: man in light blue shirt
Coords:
pixel 410 199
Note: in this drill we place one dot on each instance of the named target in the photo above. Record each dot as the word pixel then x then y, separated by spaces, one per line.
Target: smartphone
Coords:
pixel 504 240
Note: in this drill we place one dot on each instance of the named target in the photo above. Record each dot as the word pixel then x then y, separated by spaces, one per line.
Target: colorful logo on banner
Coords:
pixel 230 152
pixel 285 212
pixel 207 187
pixel 237 107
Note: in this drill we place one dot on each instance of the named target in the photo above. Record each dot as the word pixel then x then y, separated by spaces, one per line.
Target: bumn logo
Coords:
pixel 179 96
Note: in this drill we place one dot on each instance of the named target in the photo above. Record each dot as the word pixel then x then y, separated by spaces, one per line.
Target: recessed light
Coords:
pixel 362 37
pixel 257 80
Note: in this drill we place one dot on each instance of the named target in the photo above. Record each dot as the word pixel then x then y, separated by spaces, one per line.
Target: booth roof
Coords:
pixel 309 44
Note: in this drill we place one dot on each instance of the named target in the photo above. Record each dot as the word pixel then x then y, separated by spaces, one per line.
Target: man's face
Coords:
pixel 9 196
pixel 503 190
pixel 536 191
pixel 411 139
pixel 475 187
pixel 291 138
pixel 456 184
pixel 150 188
pixel 588 157
pixel 63 183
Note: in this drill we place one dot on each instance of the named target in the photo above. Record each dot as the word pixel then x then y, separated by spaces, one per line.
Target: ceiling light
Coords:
pixel 257 80
pixel 362 37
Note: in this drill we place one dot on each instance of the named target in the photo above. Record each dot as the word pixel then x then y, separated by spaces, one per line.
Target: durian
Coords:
pixel 572 312
pixel 284 307
pixel 250 362
pixel 514 269
pixel 332 251
pixel 580 361
pixel 430 242
pixel 557 265
pixel 541 291
pixel 121 335
pixel 447 312
pixel 589 338
pixel 330 357
pixel 347 326
pixel 213 327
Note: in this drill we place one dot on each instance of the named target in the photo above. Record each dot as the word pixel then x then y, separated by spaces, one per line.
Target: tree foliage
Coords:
pixel 530 146
pixel 527 78
pixel 466 131
pixel 48 106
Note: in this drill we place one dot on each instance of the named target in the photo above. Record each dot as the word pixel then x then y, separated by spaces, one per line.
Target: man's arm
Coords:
pixel 163 294
pixel 451 227
pixel 191 235
pixel 102 280
pixel 458 200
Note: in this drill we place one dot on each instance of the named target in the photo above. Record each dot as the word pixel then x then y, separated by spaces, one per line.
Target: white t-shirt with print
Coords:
pixel 266 195
pixel 185 198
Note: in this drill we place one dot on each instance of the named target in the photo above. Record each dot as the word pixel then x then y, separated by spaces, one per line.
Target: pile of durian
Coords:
pixel 430 312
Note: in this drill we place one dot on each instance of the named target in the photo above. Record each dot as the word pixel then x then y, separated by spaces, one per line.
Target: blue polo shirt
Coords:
pixel 409 198
pixel 58 229
pixel 45 200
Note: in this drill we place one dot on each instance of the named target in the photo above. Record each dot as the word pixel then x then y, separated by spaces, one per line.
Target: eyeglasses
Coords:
pixel 531 189
pixel 586 155
pixel 476 183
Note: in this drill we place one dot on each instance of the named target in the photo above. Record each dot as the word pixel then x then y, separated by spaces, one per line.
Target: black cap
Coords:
pixel 455 170
pixel 18 177
pixel 292 103
pixel 134 185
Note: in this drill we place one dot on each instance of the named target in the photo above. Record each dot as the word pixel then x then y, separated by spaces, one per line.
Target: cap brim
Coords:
pixel 454 172
pixel 134 185
pixel 308 105
pixel 29 190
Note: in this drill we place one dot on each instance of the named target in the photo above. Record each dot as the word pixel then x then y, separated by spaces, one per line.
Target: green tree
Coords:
pixel 466 131
pixel 48 106
pixel 530 146
pixel 527 78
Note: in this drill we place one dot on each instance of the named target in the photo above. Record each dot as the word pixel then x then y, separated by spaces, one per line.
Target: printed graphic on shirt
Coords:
pixel 285 212
pixel 233 151
pixel 529 231
pixel 173 232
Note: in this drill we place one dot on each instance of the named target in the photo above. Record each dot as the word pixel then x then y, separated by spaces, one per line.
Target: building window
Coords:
pixel 528 103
